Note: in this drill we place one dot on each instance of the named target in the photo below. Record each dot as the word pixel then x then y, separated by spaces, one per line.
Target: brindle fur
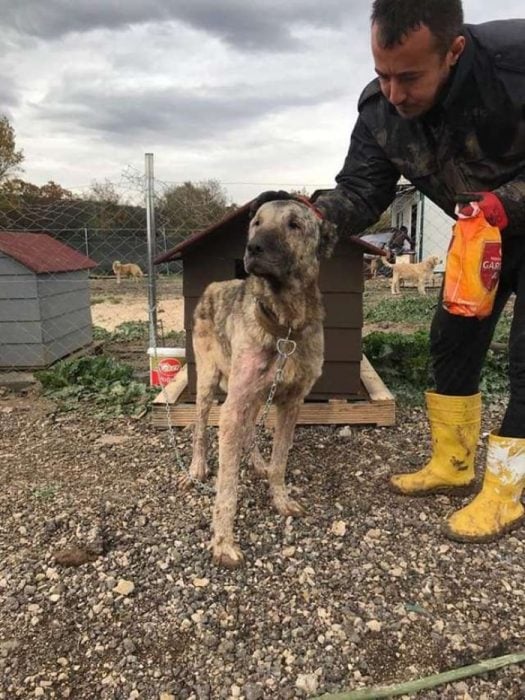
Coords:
pixel 235 350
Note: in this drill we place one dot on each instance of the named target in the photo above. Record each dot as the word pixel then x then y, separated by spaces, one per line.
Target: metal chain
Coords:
pixel 285 348
pixel 205 488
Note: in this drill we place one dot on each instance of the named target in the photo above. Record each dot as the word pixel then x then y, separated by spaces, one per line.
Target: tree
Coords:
pixel 10 158
pixel 105 192
pixel 15 189
pixel 192 207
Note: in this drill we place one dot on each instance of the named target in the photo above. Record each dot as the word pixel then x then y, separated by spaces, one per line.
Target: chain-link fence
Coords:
pixel 61 286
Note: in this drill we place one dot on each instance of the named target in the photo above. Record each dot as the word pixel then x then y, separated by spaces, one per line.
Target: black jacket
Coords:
pixel 473 139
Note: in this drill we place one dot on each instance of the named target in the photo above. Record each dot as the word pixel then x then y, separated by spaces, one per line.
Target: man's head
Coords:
pixel 415 44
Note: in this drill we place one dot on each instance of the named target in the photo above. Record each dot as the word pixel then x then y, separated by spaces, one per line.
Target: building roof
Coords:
pixel 42 253
pixel 238 219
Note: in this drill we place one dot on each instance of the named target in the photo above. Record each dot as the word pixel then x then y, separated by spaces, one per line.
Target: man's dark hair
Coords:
pixel 396 18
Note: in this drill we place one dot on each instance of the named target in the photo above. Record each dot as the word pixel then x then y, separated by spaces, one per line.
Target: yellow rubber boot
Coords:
pixel 454 424
pixel 497 507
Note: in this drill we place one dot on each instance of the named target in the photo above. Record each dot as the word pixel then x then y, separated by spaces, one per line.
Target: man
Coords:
pixel 447 112
pixel 396 244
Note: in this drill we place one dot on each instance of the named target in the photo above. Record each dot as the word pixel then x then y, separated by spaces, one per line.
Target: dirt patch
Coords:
pixel 110 314
pixel 113 304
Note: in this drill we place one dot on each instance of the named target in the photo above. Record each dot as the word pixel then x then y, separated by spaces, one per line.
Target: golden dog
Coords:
pixel 126 270
pixel 416 272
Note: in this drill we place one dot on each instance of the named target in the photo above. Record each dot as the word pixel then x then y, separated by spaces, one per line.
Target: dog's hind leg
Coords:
pixel 254 454
pixel 283 439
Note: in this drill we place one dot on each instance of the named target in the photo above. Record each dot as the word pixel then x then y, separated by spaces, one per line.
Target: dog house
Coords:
pixel 44 300
pixel 216 254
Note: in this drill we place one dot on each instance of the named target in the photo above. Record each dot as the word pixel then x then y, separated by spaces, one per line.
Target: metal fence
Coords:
pixel 50 307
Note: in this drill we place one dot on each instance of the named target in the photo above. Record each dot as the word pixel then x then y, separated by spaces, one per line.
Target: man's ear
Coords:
pixel 328 239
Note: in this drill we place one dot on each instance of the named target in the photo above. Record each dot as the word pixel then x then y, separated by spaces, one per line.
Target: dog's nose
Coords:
pixel 255 247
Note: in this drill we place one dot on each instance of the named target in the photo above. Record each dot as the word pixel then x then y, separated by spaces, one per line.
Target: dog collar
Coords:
pixel 310 205
pixel 269 323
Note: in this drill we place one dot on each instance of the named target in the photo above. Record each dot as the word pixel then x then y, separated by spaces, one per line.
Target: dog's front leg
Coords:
pixel 284 430
pixel 235 414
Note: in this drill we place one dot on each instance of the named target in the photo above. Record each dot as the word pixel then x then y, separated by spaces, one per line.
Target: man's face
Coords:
pixel 412 73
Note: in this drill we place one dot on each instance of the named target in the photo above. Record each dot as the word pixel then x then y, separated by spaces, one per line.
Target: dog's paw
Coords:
pixel 198 470
pixel 287 506
pixel 227 555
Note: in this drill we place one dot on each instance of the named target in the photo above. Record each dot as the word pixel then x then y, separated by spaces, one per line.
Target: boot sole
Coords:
pixel 485 539
pixel 464 490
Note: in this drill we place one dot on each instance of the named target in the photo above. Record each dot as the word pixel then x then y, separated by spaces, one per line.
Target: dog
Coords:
pixel 375 264
pixel 237 325
pixel 126 270
pixel 417 272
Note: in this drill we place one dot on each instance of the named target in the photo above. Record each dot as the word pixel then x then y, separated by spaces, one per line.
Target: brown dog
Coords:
pixel 416 272
pixel 236 328
pixel 126 270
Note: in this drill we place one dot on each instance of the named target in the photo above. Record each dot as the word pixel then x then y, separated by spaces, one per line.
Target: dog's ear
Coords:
pixel 328 239
pixel 268 196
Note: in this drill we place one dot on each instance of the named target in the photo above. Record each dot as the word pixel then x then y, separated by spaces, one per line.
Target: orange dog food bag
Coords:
pixel 473 265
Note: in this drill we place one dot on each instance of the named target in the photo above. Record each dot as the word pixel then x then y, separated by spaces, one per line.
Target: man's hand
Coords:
pixel 490 205
pixel 268 196
pixel 274 195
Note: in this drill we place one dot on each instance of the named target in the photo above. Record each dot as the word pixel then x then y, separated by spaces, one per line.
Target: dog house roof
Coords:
pixel 236 221
pixel 41 253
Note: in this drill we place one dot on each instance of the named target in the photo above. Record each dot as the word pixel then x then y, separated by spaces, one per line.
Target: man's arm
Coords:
pixel 366 185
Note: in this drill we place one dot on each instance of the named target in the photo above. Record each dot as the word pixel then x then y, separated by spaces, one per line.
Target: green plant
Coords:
pixel 100 333
pixel 403 361
pixel 101 381
pixel 45 493
pixel 407 309
pixel 131 330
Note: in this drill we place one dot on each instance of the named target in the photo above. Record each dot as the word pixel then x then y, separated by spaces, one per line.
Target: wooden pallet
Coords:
pixel 377 408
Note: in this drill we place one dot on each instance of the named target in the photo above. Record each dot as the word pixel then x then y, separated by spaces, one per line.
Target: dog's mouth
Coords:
pixel 262 266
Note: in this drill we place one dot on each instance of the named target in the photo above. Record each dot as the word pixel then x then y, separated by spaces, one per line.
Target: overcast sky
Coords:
pixel 253 93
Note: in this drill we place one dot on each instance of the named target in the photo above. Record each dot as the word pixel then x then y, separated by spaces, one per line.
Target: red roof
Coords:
pixel 42 253
pixel 240 217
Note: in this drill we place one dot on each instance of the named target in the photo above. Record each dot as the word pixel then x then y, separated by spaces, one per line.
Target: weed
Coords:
pixel 403 361
pixel 408 309
pixel 45 493
pixel 101 381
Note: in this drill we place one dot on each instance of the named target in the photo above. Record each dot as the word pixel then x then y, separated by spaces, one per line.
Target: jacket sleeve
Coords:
pixel 366 185
pixel 512 196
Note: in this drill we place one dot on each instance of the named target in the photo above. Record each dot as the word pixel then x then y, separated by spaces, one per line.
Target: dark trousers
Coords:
pixel 459 345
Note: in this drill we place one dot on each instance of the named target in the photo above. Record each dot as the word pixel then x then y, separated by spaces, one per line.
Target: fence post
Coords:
pixel 150 221
pixel 86 241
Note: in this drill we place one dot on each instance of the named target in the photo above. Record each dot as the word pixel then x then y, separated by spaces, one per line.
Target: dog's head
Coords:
pixel 116 265
pixel 432 261
pixel 286 238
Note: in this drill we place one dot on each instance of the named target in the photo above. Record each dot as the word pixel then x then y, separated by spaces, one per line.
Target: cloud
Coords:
pixel 257 26
pixel 176 114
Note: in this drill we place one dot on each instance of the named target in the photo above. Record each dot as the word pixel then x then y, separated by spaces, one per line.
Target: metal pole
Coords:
pixel 86 241
pixel 150 221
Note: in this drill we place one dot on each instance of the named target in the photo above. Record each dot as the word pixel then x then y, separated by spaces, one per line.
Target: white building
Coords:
pixel 429 227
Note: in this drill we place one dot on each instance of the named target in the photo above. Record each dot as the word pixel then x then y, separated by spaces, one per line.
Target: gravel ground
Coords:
pixel 364 590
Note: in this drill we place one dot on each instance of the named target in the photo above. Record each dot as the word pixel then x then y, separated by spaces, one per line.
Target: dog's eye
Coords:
pixel 294 225
pixel 256 222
